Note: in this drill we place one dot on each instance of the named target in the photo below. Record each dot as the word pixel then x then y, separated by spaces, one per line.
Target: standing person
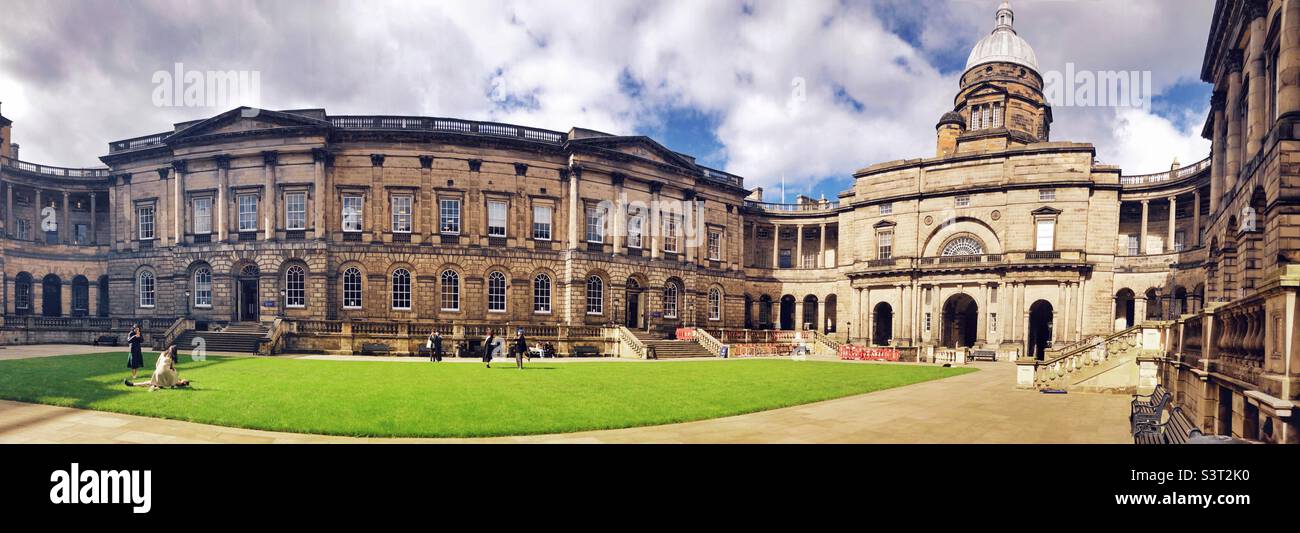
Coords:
pixel 521 349
pixel 487 349
pixel 435 346
pixel 136 361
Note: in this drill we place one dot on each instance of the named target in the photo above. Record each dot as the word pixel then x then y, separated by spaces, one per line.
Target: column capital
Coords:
pixel 617 178
pixel 656 187
pixel 223 161
pixel 180 166
pixel 322 155
pixel 1218 99
pixel 163 172
pixel 271 157
pixel 1234 61
pixel 376 160
pixel 426 162
pixel 521 169
pixel 1255 9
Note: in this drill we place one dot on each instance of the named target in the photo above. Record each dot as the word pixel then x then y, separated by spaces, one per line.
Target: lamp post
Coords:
pixel 848 330
pixel 188 303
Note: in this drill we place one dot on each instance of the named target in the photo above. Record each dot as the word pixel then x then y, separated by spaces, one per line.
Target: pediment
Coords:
pixel 641 147
pixel 1045 210
pixel 244 120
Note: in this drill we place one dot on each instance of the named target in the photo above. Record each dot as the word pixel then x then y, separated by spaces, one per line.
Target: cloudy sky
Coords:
pixel 806 90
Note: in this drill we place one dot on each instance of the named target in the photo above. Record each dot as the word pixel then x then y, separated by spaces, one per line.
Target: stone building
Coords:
pixel 342 230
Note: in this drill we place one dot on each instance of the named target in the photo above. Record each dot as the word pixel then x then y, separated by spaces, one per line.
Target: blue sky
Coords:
pixel 810 91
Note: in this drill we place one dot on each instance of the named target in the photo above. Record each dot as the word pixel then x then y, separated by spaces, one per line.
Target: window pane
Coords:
pixel 203 287
pixel 496 219
pixel 595 296
pixel 497 292
pixel 146 289
pixel 401 289
pixel 595 224
pixel 248 213
pixel 634 231
pixel 542 223
pixel 352 213
pixel 402 214
pixel 295 211
pixel 145 215
pixel 295 292
pixel 450 290
pixel 542 294
pixel 202 216
pixel 449 216
pixel 352 288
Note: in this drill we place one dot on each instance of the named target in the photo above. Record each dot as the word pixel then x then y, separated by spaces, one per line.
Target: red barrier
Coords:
pixel 685 334
pixel 850 352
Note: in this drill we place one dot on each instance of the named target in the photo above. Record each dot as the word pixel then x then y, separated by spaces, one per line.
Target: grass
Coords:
pixel 390 399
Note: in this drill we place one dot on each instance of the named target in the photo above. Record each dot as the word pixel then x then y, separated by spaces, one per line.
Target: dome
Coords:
pixel 952 117
pixel 1003 45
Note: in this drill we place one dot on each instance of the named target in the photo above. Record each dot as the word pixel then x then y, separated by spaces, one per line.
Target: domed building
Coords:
pixel 298 230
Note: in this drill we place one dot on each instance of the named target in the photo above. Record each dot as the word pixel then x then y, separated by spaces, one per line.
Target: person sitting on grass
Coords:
pixel 164 373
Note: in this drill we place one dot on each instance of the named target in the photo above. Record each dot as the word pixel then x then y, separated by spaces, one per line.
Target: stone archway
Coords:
pixel 960 321
pixel 1125 309
pixel 634 316
pixel 51 296
pixel 1039 336
pixel 882 324
pixel 787 312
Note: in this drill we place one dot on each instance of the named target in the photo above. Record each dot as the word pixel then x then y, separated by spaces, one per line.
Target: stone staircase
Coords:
pixel 671 349
pixel 1106 364
pixel 243 337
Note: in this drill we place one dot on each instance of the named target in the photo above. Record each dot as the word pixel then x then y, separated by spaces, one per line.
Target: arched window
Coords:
pixel 496 292
pixel 595 296
pixel 203 287
pixel 80 296
pixel 401 289
pixel 670 300
pixel 963 246
pixel 542 294
pixel 295 287
pixel 146 286
pixel 450 291
pixel 23 293
pixel 352 288
pixel 715 304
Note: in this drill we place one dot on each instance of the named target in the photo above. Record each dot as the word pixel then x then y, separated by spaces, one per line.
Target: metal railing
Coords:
pixel 804 207
pixel 47 170
pixel 1174 174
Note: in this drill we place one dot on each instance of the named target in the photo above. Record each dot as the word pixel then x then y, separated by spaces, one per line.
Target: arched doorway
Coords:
pixel 634 295
pixel 102 309
pixel 80 296
pixel 51 296
pixel 1040 328
pixel 829 311
pixel 787 312
pixel 749 312
pixel 1125 312
pixel 1153 305
pixel 882 324
pixel 960 319
pixel 809 318
pixel 765 312
pixel 1180 301
pixel 23 293
pixel 247 280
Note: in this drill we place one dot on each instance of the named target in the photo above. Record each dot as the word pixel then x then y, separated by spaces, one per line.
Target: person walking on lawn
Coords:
pixel 521 349
pixel 435 347
pixel 136 361
pixel 488 344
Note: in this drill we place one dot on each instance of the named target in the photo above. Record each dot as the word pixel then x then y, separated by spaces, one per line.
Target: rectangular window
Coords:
pixel 402 214
pixel 997 115
pixel 144 214
pixel 595 224
pixel 203 215
pixel 670 232
pixel 247 213
pixel 927 321
pixel 975 118
pixel 1180 241
pixel 786 259
pixel 1046 195
pixel 986 117
pixel 993 321
pixel 449 216
pixel 887 209
pixel 634 231
pixel 1133 245
pixel 963 201
pixel 496 219
pixel 352 213
pixel 24 230
pixel 80 234
pixel 715 246
pixel 885 245
pixel 295 211
pixel 1046 236
pixel 542 222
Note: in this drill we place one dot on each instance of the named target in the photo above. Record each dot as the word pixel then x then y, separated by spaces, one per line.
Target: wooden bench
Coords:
pixel 1177 429
pixel 375 349
pixel 585 351
pixel 109 340
pixel 983 355
pixel 1147 408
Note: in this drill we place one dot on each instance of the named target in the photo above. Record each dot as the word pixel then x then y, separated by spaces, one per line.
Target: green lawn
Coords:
pixel 389 399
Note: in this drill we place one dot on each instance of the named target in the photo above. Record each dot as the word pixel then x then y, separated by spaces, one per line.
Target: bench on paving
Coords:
pixel 109 340
pixel 585 351
pixel 1147 408
pixel 1177 429
pixel 375 349
pixel 983 355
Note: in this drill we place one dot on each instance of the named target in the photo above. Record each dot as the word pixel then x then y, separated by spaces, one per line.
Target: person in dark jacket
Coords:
pixel 488 345
pixel 136 361
pixel 435 347
pixel 521 349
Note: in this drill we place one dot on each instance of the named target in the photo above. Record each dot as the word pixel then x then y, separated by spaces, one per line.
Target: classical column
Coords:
pixel 270 213
pixel 1058 317
pixel 982 318
pixel 574 215
pixel 855 298
pixel 1235 136
pixel 223 187
pixel 1218 148
pixel 798 246
pixel 690 240
pixel 1139 309
pixel 821 249
pixel 376 199
pixel 94 212
pixel 1173 217
pixel 1082 308
pixel 1196 217
pixel 1142 238
pixel 321 193
pixel 798 313
pixel 38 232
pixel 1288 90
pixel 65 231
pixel 741 241
pixel 897 325
pixel 776 245
pixel 162 214
pixel 1257 125
pixel 178 202
pixel 9 209
pixel 619 216
pixel 656 220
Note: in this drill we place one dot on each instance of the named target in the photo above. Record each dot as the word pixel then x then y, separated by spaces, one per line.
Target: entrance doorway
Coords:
pixel 634 316
pixel 1124 309
pixel 1040 329
pixel 248 294
pixel 787 312
pixel 960 320
pixel 882 324
pixel 51 296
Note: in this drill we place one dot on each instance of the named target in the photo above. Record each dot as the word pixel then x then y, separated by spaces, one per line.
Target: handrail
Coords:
pixel 814 206
pixel 709 342
pixel 828 345
pixel 176 329
pixel 626 338
pixel 273 341
pixel 1091 353
pixel 1157 177
pixel 47 170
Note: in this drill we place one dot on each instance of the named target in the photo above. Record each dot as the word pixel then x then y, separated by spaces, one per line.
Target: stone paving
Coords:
pixel 980 407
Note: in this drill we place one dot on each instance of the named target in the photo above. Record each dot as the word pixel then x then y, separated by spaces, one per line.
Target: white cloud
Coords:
pixel 70 91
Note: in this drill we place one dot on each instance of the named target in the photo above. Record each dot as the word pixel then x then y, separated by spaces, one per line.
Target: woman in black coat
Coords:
pixel 136 361
pixel 488 344
pixel 521 349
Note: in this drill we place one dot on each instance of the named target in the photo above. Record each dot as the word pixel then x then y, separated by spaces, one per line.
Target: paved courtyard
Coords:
pixel 980 407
